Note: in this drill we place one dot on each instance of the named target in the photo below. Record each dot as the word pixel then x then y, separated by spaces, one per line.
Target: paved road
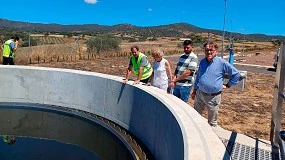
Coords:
pixel 243 67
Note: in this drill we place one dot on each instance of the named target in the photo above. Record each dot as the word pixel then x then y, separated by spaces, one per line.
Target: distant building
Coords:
pixel 183 39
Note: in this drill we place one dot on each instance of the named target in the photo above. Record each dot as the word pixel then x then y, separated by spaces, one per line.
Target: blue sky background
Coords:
pixel 245 16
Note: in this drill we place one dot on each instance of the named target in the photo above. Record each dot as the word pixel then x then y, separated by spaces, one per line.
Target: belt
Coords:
pixel 184 81
pixel 211 94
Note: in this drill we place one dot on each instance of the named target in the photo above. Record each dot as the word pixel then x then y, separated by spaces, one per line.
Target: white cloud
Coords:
pixel 150 9
pixel 91 1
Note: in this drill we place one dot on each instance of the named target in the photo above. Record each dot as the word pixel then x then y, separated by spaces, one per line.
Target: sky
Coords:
pixel 242 16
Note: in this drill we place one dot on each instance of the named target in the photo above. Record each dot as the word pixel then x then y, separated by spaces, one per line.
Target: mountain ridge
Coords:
pixel 181 29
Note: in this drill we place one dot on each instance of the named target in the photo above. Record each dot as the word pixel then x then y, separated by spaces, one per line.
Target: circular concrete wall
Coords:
pixel 170 128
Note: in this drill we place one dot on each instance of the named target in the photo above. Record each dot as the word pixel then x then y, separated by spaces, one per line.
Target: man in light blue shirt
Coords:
pixel 208 85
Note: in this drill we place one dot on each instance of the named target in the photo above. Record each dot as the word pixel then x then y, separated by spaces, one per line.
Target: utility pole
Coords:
pixel 223 40
pixel 231 29
pixel 243 30
pixel 30 50
pixel 231 47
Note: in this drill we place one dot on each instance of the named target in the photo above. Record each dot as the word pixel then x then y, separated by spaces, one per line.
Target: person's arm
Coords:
pixel 192 66
pixel 15 46
pixel 233 73
pixel 184 75
pixel 128 74
pixel 139 75
pixel 150 79
pixel 168 70
pixel 172 82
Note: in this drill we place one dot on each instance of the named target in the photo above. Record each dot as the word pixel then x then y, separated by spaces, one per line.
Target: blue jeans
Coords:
pixel 182 92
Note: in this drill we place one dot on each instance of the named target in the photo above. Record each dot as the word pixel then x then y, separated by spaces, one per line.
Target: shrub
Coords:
pixel 103 43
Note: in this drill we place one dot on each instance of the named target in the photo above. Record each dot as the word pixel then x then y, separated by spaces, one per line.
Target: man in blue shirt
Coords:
pixel 208 85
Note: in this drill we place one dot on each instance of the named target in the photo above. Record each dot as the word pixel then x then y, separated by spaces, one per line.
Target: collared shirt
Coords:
pixel 186 61
pixel 210 75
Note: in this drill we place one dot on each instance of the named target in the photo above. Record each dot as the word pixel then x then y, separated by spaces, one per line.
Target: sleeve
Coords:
pixel 233 73
pixel 12 45
pixel 193 63
pixel 144 61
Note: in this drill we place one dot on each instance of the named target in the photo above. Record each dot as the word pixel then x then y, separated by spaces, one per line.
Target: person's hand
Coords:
pixel 148 84
pixel 193 94
pixel 136 82
pixel 171 84
pixel 226 86
pixel 125 81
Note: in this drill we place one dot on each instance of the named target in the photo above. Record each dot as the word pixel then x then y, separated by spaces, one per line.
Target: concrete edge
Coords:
pixel 197 143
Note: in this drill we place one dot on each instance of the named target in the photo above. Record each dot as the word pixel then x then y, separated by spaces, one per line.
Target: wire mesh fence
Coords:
pixel 74 49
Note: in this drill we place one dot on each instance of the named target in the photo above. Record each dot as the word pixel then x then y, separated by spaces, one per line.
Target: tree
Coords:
pixel 276 42
pixel 196 38
pixel 103 43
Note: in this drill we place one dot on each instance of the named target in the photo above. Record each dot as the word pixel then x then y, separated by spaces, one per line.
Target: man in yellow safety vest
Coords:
pixel 140 65
pixel 9 49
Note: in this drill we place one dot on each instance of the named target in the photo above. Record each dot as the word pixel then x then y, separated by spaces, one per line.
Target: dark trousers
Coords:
pixel 8 61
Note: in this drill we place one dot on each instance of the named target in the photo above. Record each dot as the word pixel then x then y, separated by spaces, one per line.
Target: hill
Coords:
pixel 171 30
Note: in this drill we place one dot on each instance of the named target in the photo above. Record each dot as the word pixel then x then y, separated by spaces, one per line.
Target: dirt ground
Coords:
pixel 247 112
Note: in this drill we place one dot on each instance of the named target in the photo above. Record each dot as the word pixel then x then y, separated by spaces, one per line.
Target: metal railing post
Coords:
pixel 278 99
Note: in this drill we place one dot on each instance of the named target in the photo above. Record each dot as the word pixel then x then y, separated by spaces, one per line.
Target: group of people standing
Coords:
pixel 208 84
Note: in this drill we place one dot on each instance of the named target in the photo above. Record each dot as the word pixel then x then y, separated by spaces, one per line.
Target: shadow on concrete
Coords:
pixel 121 92
pixel 271 69
pixel 230 145
pixel 122 89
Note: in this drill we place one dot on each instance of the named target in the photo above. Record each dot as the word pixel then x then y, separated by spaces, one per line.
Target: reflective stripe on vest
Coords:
pixel 7 52
pixel 147 71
